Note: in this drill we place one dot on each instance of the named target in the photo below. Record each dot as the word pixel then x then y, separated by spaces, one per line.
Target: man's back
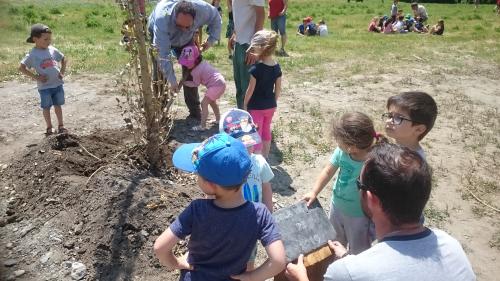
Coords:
pixel 430 255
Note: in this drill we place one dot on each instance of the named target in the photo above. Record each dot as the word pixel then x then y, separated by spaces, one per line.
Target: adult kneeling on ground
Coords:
pixel 394 186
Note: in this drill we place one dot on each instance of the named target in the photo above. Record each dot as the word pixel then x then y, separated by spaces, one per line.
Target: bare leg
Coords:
pixel 58 111
pixel 216 110
pixel 46 116
pixel 283 41
pixel 266 147
pixel 204 112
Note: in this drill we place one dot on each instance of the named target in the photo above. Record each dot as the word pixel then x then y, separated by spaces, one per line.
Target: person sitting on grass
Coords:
pixel 419 11
pixel 307 28
pixel 437 29
pixel 373 26
pixel 398 27
pixel 45 59
pixel 388 26
pixel 223 231
pixel 205 74
pixel 419 26
pixel 322 28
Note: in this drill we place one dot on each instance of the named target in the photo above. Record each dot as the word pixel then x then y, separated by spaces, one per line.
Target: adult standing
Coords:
pixel 277 14
pixel 394 186
pixel 248 18
pixel 173 24
pixel 419 11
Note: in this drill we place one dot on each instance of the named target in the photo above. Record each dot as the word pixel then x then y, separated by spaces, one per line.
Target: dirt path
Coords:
pixel 120 212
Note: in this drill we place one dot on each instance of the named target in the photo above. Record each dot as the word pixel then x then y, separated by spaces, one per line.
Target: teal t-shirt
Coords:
pixel 345 190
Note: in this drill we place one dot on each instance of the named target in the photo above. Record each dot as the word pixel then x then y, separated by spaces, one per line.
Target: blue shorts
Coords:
pixel 51 96
pixel 279 24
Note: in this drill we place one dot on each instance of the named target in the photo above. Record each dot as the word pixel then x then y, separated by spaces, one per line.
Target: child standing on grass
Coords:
pixel 223 230
pixel 409 117
pixel 45 59
pixel 205 74
pixel 355 136
pixel 264 87
pixel 239 124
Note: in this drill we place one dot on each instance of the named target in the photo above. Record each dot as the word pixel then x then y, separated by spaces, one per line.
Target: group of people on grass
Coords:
pixel 380 183
pixel 398 22
pixel 309 28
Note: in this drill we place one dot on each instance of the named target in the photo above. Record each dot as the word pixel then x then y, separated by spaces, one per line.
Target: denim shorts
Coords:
pixel 279 24
pixel 51 96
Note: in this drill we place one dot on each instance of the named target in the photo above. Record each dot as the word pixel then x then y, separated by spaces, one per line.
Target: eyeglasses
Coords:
pixel 362 186
pixel 183 27
pixel 396 119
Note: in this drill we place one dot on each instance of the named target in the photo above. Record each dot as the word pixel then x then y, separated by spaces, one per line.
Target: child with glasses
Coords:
pixel 410 116
pixel 355 136
pixel 223 230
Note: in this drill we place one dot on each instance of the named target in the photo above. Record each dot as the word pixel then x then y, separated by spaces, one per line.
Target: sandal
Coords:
pixel 62 130
pixel 49 131
pixel 198 128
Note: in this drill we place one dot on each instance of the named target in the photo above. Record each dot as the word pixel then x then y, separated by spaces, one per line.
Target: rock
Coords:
pixel 78 271
pixel 9 262
pixel 3 222
pixel 45 258
pixel 10 212
pixel 81 251
pixel 18 273
pixel 9 246
pixel 69 245
pixel 78 228
pixel 11 219
pixel 144 233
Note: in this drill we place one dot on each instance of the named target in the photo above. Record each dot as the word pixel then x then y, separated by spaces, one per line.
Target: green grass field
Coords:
pixel 88 32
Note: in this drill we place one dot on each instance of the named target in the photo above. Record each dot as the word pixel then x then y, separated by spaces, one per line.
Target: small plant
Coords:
pixel 55 11
pixel 92 22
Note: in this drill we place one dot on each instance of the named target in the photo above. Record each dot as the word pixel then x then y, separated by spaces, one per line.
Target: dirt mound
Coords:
pixel 88 200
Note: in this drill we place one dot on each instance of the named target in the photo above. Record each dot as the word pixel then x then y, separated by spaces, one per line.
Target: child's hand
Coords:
pixel 247 276
pixel 42 78
pixel 309 198
pixel 182 262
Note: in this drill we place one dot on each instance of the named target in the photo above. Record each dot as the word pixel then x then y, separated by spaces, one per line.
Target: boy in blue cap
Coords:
pixel 223 230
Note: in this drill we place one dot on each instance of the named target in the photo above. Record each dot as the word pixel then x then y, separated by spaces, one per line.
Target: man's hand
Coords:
pixel 174 87
pixel 297 272
pixel 251 58
pixel 232 40
pixel 42 78
pixel 337 248
pixel 205 46
pixel 61 75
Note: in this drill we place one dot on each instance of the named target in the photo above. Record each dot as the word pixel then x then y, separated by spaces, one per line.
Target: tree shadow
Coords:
pixel 116 259
pixel 182 131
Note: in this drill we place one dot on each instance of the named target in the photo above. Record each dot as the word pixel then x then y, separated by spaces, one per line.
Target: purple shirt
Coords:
pixel 222 239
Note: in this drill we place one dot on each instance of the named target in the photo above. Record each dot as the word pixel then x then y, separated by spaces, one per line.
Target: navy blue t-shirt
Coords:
pixel 263 95
pixel 221 239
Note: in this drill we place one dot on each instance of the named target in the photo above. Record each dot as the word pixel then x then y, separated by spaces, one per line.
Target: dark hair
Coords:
pixel 401 17
pixel 414 4
pixel 185 7
pixel 355 128
pixel 420 106
pixel 401 179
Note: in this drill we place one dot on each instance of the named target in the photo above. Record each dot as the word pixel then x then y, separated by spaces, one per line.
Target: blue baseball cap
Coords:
pixel 220 159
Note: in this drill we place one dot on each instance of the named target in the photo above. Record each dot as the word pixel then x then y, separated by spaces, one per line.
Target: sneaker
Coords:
pixel 283 53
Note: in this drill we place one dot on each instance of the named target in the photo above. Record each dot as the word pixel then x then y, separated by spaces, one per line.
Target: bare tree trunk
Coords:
pixel 152 126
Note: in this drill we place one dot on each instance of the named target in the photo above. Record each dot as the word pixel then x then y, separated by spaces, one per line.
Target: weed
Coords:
pixel 435 216
pixel 495 240
pixel 55 11
pixel 109 29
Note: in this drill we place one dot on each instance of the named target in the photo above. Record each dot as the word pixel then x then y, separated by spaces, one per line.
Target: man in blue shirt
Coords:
pixel 172 26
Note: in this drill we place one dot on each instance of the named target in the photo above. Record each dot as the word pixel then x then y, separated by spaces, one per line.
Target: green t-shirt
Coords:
pixel 345 190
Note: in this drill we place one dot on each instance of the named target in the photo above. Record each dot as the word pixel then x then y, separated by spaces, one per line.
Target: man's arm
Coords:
pixel 63 66
pixel 249 93
pixel 214 27
pixel 162 42
pixel 260 15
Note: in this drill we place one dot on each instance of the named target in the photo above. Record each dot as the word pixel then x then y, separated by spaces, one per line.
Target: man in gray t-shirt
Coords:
pixel 394 186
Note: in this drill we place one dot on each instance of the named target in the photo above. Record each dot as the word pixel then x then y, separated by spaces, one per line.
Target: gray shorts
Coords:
pixel 352 232
pixel 278 24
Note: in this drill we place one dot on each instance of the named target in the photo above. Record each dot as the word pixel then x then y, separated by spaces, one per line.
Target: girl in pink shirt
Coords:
pixel 205 74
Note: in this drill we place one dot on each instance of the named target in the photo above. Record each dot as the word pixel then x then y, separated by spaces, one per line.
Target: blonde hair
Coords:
pixel 266 40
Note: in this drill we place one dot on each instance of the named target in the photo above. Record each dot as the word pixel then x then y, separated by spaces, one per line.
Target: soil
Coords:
pixel 86 197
